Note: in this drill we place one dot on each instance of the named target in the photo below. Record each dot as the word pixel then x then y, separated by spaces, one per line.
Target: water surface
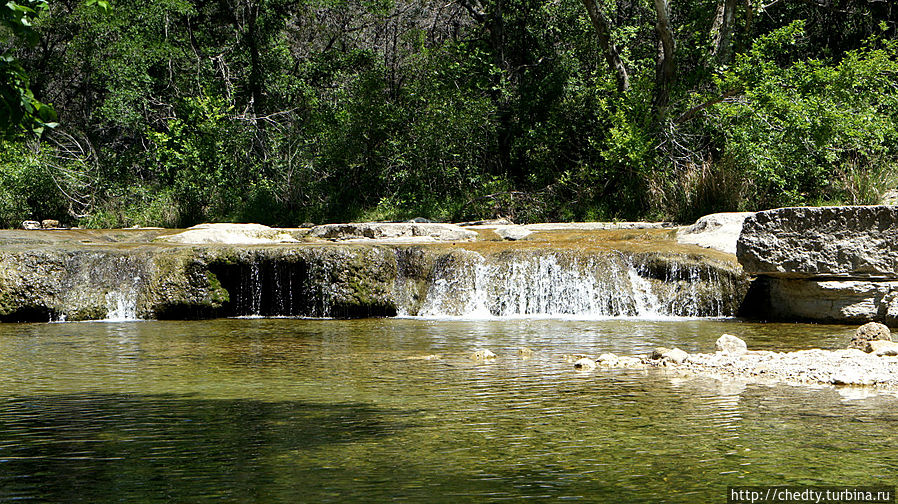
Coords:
pixel 290 410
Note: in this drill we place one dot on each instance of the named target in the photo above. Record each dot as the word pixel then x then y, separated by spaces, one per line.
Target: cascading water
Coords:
pixel 470 285
pixel 466 284
pixel 121 305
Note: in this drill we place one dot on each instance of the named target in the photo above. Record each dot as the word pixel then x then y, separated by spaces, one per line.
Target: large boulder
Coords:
pixel 729 344
pixel 809 242
pixel 393 232
pixel 718 231
pixel 871 331
pixel 831 264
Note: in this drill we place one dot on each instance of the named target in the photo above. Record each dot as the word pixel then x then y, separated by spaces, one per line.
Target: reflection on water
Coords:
pixel 331 411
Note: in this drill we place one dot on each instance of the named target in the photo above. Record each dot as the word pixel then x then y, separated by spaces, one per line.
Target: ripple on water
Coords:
pixel 326 411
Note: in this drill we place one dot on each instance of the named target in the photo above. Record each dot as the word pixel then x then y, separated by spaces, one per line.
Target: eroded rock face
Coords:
pixel 806 242
pixel 393 231
pixel 830 264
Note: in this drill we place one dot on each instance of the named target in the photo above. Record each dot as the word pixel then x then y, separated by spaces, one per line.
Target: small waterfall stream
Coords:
pixel 470 285
pixel 466 284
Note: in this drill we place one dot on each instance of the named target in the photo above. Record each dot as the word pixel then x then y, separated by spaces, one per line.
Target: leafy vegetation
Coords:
pixel 175 112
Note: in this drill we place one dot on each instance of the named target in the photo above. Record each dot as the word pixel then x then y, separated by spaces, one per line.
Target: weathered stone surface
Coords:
pixel 805 242
pixel 50 224
pixel 828 264
pixel 393 231
pixel 718 231
pixel 230 234
pixel 869 332
pixel 488 223
pixel 513 233
pixel 585 364
pixel 31 225
pixel 592 226
pixel 727 343
pixel 881 348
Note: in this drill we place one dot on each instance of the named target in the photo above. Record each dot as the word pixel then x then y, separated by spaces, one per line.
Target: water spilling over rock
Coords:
pixel 92 280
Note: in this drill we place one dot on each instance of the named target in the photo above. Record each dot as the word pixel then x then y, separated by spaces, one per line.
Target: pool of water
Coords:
pixel 287 410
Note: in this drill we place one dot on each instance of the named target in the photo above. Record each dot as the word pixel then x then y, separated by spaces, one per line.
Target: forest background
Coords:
pixel 175 112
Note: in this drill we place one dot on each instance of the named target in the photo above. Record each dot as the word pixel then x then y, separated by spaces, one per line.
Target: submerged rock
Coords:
pixel 525 352
pixel 585 364
pixel 483 355
pixel 727 343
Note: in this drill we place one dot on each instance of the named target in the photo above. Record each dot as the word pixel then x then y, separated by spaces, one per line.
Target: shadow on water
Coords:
pixel 171 448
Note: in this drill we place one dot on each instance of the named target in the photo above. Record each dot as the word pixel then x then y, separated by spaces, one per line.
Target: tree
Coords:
pixel 603 31
pixel 20 111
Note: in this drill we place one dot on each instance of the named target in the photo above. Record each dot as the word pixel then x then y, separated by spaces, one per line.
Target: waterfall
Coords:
pixel 469 285
pixel 460 283
pixel 121 304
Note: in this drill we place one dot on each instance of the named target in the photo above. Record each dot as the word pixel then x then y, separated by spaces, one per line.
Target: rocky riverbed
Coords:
pixel 874 366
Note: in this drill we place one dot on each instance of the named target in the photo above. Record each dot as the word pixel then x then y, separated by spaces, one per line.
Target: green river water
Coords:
pixel 292 410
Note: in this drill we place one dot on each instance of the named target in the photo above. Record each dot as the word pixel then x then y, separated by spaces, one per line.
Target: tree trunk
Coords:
pixel 612 56
pixel 722 32
pixel 665 71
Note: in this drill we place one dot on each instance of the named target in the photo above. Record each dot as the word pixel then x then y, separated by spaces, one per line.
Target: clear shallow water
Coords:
pixel 283 410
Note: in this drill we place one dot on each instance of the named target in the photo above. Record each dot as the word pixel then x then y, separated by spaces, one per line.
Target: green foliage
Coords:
pixel 800 131
pixel 20 111
pixel 285 112
pixel 28 190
